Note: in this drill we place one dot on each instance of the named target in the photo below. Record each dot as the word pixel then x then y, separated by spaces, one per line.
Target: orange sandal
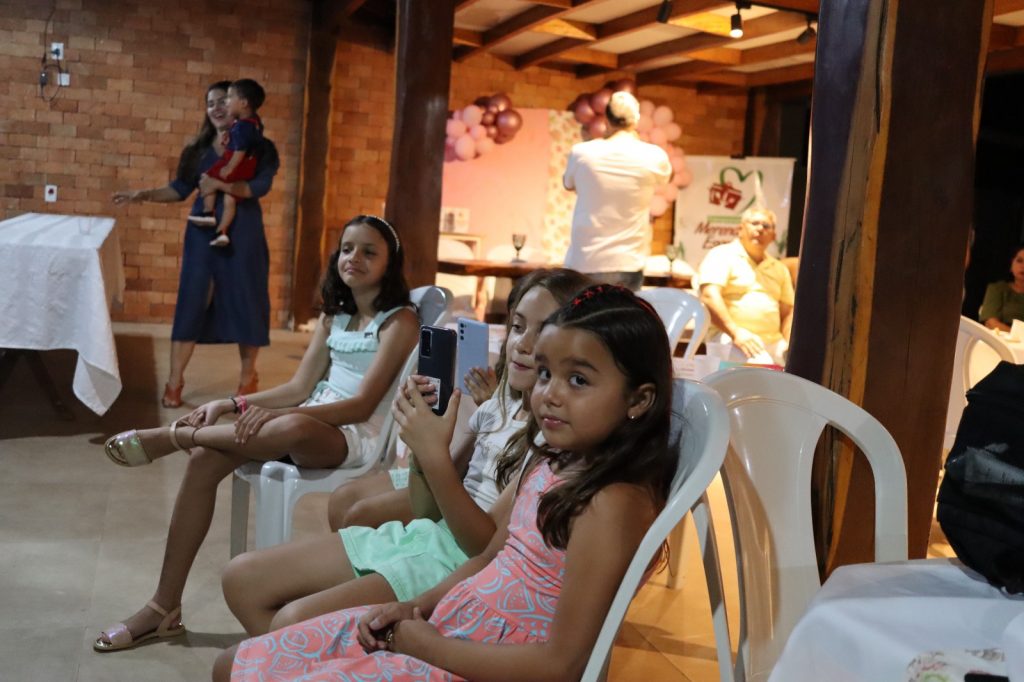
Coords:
pixel 172 396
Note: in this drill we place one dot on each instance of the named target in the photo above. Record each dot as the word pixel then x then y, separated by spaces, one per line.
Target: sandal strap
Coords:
pixel 156 607
pixel 173 436
pixel 169 617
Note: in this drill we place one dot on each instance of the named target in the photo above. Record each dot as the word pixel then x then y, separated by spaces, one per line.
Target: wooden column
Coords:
pixel 894 121
pixel 423 62
pixel 309 226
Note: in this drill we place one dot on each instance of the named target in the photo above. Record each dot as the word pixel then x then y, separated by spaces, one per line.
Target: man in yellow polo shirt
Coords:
pixel 748 293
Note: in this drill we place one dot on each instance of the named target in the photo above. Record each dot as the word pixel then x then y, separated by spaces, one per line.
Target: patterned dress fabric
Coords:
pixel 511 601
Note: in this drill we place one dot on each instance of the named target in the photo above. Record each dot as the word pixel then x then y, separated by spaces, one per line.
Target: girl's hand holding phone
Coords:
pixel 482 382
pixel 422 430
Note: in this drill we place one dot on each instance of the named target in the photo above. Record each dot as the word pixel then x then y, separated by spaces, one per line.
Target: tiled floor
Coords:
pixel 81 540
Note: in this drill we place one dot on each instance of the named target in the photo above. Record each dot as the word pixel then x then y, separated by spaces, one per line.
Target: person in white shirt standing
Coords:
pixel 614 179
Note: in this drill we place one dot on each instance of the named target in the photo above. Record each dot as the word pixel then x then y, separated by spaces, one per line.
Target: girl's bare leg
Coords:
pixel 227 214
pixel 348 495
pixel 222 666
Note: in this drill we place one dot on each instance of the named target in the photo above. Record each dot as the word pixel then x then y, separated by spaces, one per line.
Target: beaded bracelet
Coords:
pixel 233 402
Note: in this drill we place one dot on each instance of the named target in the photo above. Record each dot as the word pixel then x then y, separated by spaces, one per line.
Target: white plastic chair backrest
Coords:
pixel 978 351
pixel 506 252
pixel 433 304
pixel 453 248
pixel 700 434
pixel 677 308
pixel 776 420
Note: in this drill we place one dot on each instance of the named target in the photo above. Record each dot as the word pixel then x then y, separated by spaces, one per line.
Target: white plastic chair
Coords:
pixel 278 486
pixel 776 420
pixel 700 433
pixel 677 308
pixel 978 351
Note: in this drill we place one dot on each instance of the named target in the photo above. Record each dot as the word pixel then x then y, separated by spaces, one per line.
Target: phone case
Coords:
pixel 437 361
pixel 472 349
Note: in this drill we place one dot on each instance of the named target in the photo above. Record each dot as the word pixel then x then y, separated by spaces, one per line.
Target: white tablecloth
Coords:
pixel 58 276
pixel 869 621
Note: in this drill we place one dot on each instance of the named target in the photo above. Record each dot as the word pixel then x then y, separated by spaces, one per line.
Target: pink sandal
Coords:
pixel 119 638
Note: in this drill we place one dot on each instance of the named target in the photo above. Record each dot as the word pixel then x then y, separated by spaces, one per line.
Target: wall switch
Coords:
pixel 50 194
pixel 65 79
pixel 57 50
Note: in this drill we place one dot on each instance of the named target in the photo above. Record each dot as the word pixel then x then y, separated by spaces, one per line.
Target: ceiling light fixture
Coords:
pixel 808 34
pixel 736 24
pixel 665 11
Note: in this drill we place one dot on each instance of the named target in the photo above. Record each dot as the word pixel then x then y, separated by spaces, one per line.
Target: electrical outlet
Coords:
pixel 50 194
pixel 64 79
pixel 57 50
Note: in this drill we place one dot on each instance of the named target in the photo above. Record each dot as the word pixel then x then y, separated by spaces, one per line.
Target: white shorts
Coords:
pixel 361 438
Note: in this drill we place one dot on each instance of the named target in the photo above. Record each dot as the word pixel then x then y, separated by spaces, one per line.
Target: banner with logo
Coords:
pixel 708 210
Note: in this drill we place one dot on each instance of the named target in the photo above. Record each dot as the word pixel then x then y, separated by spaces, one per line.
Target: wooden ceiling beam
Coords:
pixel 720 55
pixel 1004 61
pixel 769 53
pixel 464 4
pixel 1004 37
pixel 753 28
pixel 583 55
pixel 786 74
pixel 464 36
pixel 568 29
pixel 691 68
pixel 556 48
pixel 526 20
pixel 808 6
pixel 1007 6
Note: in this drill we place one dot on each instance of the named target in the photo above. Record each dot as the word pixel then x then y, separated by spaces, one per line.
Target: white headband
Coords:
pixel 398 242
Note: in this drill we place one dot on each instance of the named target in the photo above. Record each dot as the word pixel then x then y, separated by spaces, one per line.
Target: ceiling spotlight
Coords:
pixel 665 11
pixel 736 25
pixel 808 34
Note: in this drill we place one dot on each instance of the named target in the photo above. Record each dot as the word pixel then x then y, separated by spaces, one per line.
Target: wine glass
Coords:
pixel 671 252
pixel 518 242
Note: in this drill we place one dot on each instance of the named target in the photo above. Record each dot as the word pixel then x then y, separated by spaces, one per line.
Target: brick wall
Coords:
pixel 139 70
pixel 363 114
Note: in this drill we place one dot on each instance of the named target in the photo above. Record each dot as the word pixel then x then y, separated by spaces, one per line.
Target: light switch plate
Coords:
pixel 50 194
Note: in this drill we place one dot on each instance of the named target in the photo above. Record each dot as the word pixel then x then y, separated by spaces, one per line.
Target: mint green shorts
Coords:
pixel 413 558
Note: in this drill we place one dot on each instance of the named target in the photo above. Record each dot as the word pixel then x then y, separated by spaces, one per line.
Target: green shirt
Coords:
pixel 1002 303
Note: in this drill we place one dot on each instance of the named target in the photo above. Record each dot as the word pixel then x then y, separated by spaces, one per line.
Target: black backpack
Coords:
pixel 981 499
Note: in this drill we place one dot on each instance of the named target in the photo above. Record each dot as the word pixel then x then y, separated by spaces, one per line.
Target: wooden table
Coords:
pixel 490 268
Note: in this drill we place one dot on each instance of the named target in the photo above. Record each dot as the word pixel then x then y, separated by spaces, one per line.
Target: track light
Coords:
pixel 665 11
pixel 736 24
pixel 808 34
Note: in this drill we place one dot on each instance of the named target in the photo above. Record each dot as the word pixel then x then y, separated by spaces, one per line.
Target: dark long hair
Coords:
pixel 336 295
pixel 637 450
pixel 192 154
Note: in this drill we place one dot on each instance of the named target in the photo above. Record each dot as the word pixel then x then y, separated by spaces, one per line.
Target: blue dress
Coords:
pixel 239 311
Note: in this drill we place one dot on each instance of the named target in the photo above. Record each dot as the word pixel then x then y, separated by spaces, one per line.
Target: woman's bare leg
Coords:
pixel 248 356
pixel 181 353
pixel 347 495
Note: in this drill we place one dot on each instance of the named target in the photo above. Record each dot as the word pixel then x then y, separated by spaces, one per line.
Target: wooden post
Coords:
pixel 423 63
pixel 309 225
pixel 882 257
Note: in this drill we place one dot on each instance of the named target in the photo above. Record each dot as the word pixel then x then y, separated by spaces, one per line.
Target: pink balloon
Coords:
pixel 478 132
pixel 669 191
pixel 509 122
pixel 644 124
pixel 683 178
pixel 457 115
pixel 647 108
pixel 599 100
pixel 487 119
pixel 455 128
pixel 645 136
pixel 624 85
pixel 678 163
pixel 471 115
pixel 501 101
pixel 662 116
pixel 673 131
pixel 598 127
pixel 658 136
pixel 584 114
pixel 465 148
pixel 658 206
pixel 484 145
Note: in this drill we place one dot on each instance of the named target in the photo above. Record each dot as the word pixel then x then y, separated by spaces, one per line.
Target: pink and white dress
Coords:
pixel 511 601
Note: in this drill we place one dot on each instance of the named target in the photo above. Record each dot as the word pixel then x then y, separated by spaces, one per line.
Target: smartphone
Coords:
pixel 437 362
pixel 472 349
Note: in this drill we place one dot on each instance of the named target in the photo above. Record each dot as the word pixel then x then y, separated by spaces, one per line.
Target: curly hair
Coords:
pixel 336 296
pixel 637 450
